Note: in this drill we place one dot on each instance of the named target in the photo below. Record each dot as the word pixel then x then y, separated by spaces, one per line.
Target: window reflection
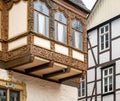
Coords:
pixel 77 40
pixel 60 27
pixel 41 18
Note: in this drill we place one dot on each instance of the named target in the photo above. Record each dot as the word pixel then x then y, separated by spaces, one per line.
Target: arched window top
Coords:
pixel 41 7
pixel 77 25
pixel 60 17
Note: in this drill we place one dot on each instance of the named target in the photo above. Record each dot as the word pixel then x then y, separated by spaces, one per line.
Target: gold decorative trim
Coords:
pixel 10 84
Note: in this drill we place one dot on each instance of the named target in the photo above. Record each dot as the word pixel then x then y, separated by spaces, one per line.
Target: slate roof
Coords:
pixel 80 4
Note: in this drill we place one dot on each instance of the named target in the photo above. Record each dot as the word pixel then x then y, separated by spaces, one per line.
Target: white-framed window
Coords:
pixel 77 40
pixel 82 88
pixel 104 37
pixel 60 27
pixel 107 80
pixel 41 18
pixel 11 94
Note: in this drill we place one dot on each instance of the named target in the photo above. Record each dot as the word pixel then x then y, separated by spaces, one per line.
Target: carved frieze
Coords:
pixel 57 57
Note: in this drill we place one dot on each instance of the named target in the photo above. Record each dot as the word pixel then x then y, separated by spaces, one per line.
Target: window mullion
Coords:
pixel 8 94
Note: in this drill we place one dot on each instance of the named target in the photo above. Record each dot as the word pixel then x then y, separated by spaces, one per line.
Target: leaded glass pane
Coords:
pixel 77 25
pixel 41 7
pixel 14 96
pixel 3 95
pixel 60 17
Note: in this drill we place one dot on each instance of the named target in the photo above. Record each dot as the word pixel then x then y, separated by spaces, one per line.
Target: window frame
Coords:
pixel 108 80
pixel 104 34
pixel 64 24
pixel 80 45
pixel 38 13
pixel 80 93
pixel 13 86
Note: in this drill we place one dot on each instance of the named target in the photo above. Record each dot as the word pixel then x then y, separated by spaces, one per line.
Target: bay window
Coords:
pixel 60 27
pixel 41 18
pixel 77 35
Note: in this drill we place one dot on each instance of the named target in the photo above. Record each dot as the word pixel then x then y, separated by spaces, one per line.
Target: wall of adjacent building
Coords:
pixel 98 60
pixel 41 90
pixel 103 11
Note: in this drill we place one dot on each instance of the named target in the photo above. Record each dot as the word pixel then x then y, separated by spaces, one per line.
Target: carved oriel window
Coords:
pixel 41 18
pixel 60 27
pixel 77 30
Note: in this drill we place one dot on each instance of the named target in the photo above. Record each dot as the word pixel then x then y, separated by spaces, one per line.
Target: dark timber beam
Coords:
pixel 70 77
pixel 55 73
pixel 18 62
pixel 39 67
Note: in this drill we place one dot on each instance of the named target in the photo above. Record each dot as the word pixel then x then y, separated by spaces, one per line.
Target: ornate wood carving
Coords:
pixel 53 56
pixel 30 15
pixel 20 52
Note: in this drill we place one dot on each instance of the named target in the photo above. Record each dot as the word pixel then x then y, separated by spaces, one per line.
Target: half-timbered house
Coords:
pixel 102 81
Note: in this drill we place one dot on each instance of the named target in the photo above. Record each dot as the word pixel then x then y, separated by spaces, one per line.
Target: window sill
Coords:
pixel 109 93
pixel 82 97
